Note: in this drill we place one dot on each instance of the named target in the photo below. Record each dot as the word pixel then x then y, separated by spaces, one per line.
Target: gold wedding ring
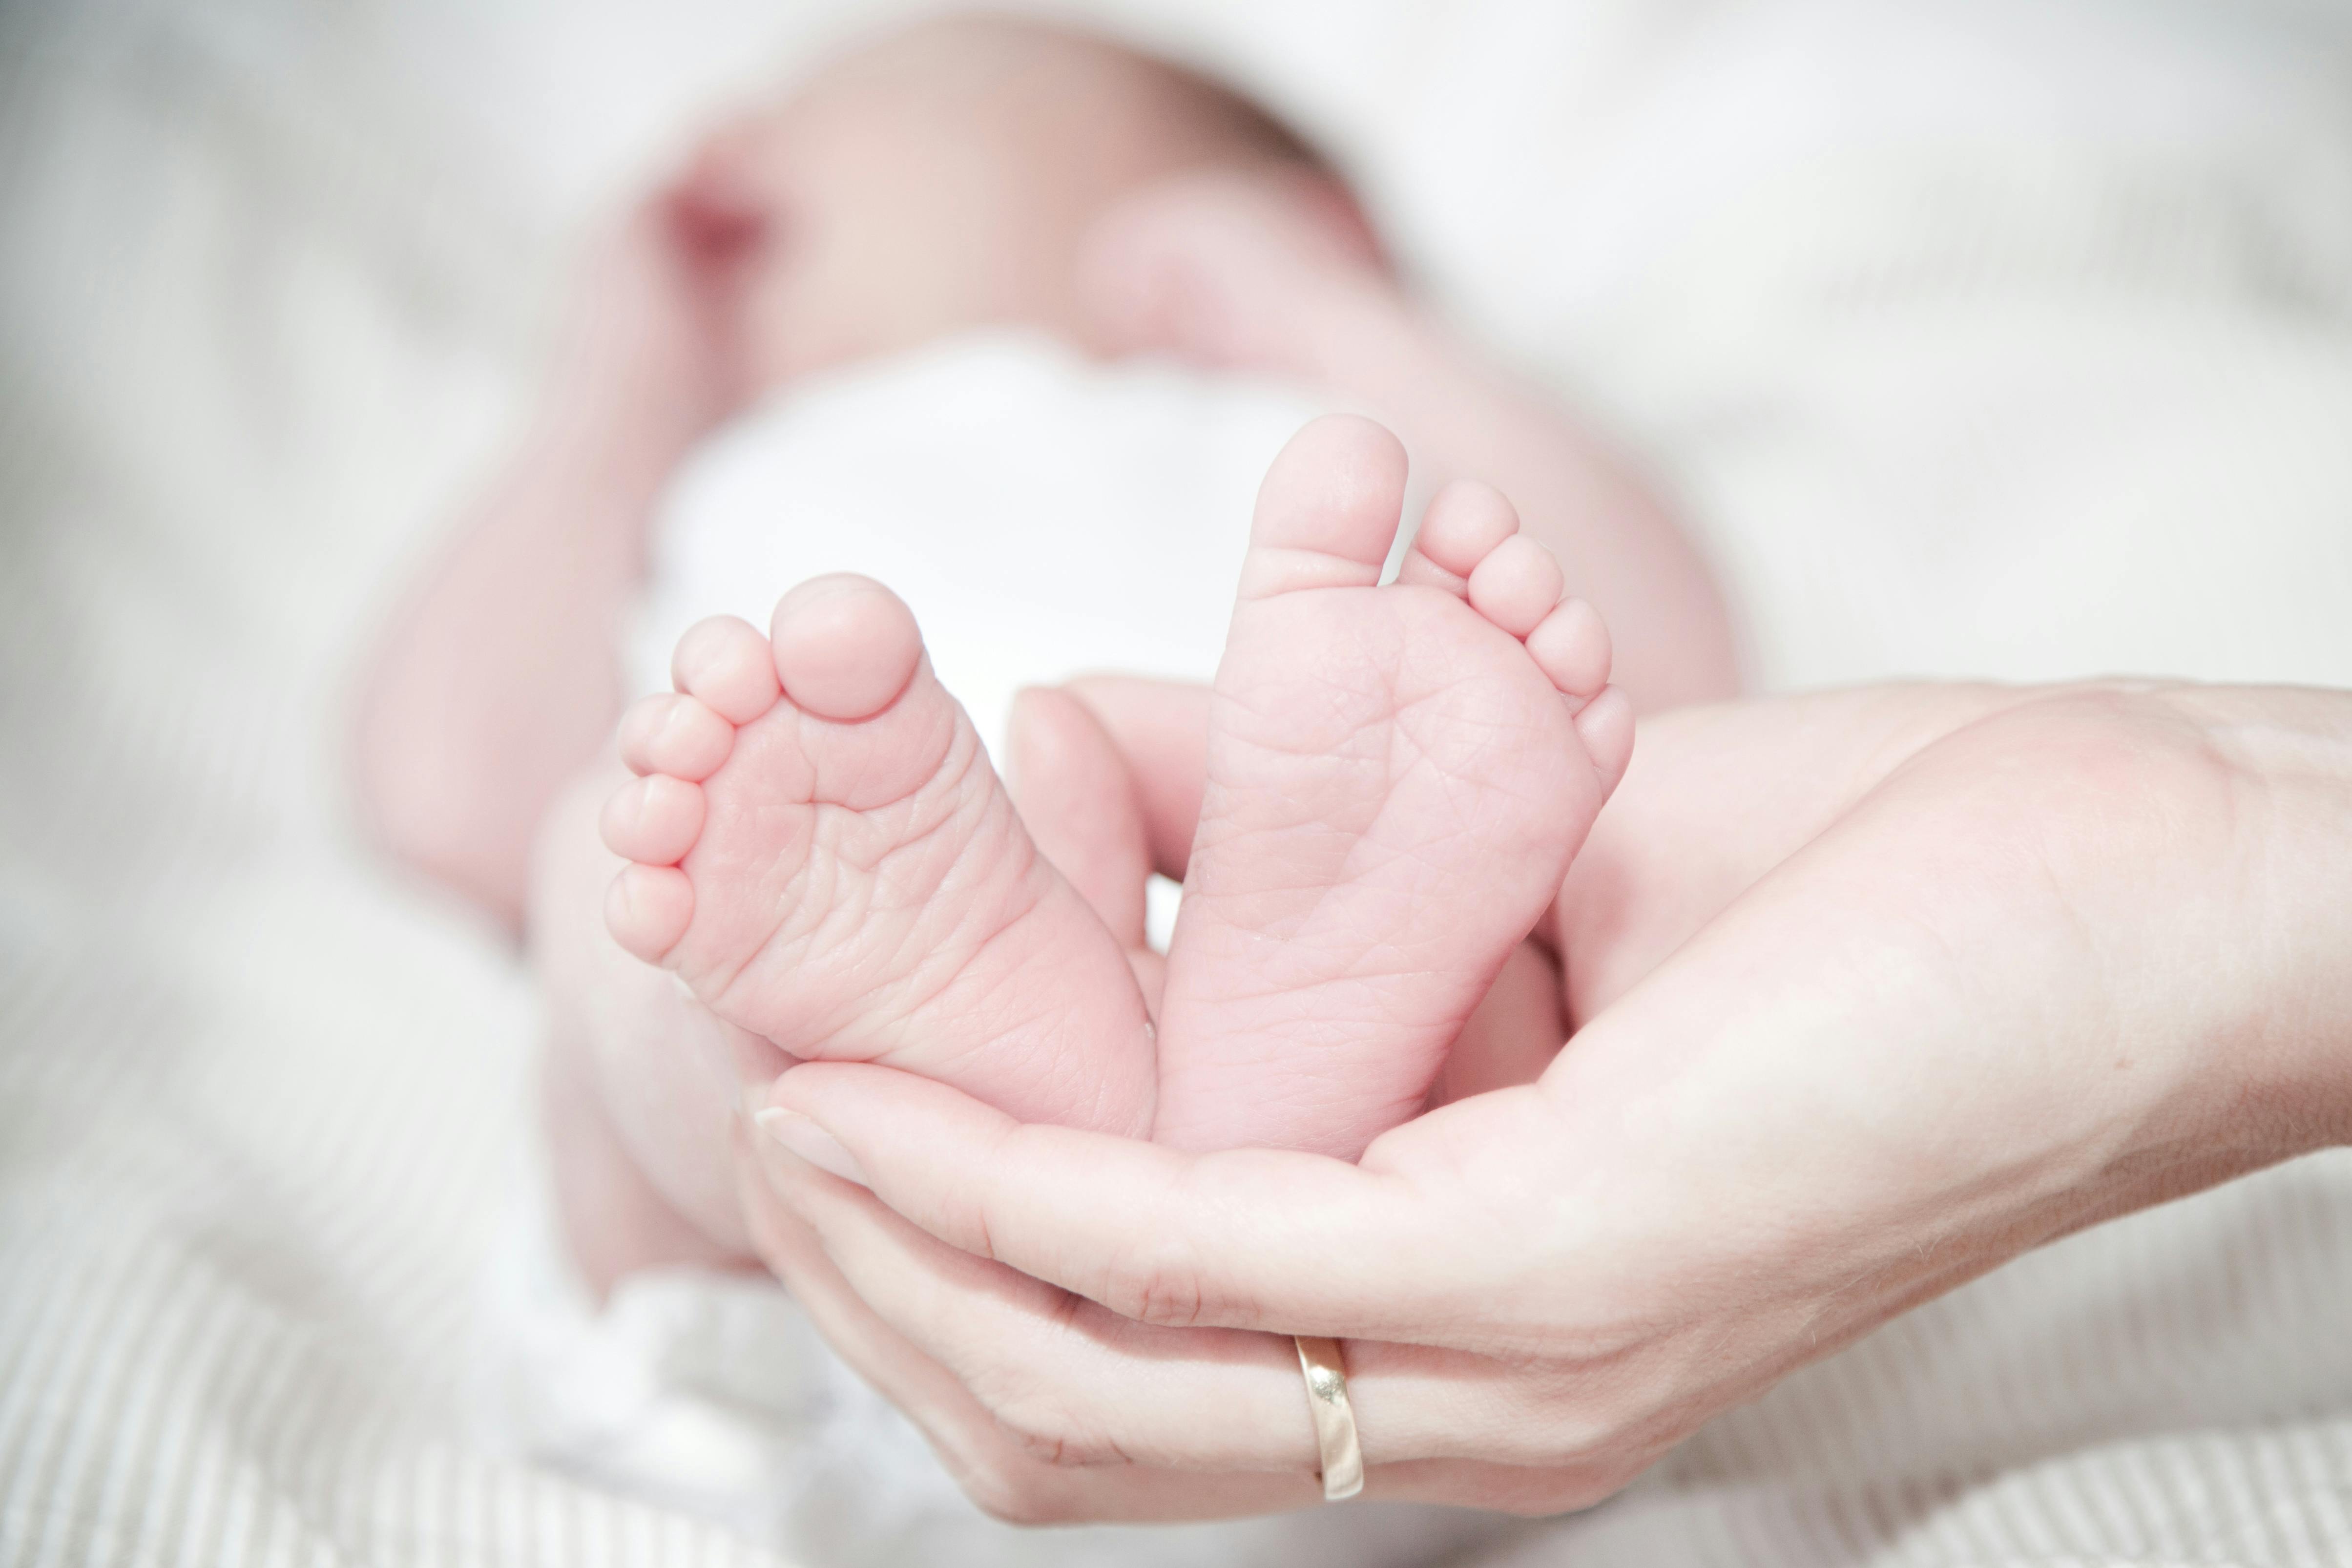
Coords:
pixel 1335 1418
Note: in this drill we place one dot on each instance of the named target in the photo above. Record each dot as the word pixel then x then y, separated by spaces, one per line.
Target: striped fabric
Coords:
pixel 262 314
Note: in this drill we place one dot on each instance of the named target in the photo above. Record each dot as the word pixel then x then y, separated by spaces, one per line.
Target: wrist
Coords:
pixel 633 400
pixel 2288 947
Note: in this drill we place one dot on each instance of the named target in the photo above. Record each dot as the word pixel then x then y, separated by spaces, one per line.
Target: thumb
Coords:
pixel 1079 802
pixel 1161 729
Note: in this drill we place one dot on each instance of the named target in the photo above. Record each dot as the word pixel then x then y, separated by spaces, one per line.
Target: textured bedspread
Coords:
pixel 1977 339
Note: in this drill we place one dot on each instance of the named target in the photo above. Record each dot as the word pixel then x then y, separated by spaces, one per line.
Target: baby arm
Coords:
pixel 497 679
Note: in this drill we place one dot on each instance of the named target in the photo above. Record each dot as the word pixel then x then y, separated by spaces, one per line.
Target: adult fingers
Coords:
pixel 1271 1240
pixel 1074 1383
pixel 1082 1385
pixel 1001 1474
pixel 1035 1478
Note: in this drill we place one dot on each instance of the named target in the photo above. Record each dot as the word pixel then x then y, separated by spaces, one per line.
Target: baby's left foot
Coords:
pixel 821 852
pixel 1398 778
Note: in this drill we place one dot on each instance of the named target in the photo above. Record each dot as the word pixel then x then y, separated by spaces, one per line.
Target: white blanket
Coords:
pixel 1993 338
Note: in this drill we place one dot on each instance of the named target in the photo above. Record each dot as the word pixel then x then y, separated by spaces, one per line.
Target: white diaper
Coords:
pixel 1045 516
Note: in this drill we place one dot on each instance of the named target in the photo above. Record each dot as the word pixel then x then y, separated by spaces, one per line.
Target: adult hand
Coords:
pixel 1876 991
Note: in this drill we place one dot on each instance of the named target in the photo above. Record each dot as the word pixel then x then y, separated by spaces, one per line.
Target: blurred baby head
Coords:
pixel 943 178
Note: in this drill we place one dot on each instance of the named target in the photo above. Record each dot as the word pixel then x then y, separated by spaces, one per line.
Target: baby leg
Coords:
pixel 1238 270
pixel 636 1074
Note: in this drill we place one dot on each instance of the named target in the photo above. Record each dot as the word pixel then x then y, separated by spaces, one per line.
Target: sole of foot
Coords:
pixel 1397 779
pixel 823 855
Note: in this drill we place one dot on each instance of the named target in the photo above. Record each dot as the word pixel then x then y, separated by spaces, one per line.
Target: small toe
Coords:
pixel 647 910
pixel 846 646
pixel 1605 725
pixel 725 663
pixel 673 733
pixel 1463 524
pixel 1572 646
pixel 1516 585
pixel 653 820
pixel 1328 510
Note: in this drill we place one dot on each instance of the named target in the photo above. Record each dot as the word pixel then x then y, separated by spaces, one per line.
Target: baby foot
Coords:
pixel 823 855
pixel 1398 778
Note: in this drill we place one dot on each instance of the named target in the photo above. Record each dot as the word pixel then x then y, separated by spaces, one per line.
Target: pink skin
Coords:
pixel 1956 971
pixel 1398 778
pixel 1241 269
pixel 848 879
pixel 498 683
pixel 901 194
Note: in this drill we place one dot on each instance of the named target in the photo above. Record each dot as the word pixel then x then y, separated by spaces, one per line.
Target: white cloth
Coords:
pixel 714 1394
pixel 1977 337
pixel 1042 515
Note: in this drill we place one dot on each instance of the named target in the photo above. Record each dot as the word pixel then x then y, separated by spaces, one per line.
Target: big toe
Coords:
pixel 846 646
pixel 1328 510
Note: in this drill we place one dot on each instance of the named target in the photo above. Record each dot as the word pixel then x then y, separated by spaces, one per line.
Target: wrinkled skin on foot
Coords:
pixel 823 855
pixel 1397 778
pixel 1876 990
pixel 821 852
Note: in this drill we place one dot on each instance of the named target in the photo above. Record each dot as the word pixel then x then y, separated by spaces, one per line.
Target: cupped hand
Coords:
pixel 1873 992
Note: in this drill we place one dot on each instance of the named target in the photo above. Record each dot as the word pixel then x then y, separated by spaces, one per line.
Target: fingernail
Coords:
pixel 805 1138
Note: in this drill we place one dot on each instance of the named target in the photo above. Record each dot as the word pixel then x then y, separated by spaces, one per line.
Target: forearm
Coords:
pixel 498 677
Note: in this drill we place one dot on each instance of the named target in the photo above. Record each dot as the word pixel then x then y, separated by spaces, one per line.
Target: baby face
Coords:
pixel 944 180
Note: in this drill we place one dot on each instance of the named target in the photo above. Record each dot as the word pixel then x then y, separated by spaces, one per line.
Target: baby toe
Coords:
pixel 675 734
pixel 1571 644
pixel 1516 585
pixel 1463 524
pixel 1328 510
pixel 647 910
pixel 653 820
pixel 1605 725
pixel 725 663
pixel 846 646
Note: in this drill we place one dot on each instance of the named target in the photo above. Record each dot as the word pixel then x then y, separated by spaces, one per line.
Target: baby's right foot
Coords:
pixel 1397 777
pixel 823 856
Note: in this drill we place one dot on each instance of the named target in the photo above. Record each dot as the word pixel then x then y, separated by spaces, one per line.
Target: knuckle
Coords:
pixel 1011 1496
pixel 1045 1427
pixel 2121 745
pixel 1159 1282
pixel 1000 1479
pixel 1061 1447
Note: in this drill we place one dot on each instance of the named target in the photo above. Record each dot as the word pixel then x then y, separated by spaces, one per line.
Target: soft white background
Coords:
pixel 2005 337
